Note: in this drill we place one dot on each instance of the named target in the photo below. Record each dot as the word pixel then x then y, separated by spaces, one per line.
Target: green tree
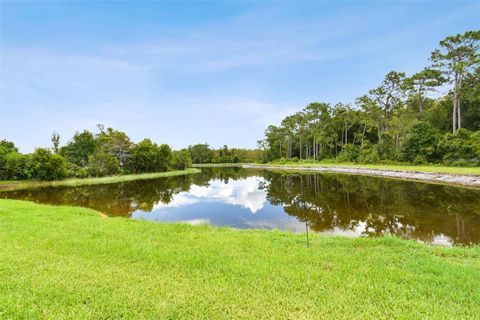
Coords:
pixel 461 147
pixel 144 156
pixel 6 147
pixel 165 157
pixel 45 165
pixel 388 96
pixel 201 153
pixel 102 163
pixel 420 144
pixel 55 141
pixel 17 166
pixel 457 56
pixel 420 84
pixel 182 159
pixel 80 148
pixel 470 98
pixel 116 143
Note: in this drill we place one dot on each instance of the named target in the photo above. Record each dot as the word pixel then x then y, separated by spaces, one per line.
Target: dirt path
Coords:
pixel 465 180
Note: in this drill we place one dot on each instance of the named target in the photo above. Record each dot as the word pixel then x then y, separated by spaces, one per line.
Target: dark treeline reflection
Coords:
pixel 325 202
pixel 378 206
pixel 121 199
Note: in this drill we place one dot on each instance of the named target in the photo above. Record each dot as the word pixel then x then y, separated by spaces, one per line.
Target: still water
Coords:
pixel 345 205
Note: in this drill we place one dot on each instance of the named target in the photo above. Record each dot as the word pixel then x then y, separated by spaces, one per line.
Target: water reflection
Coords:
pixel 328 203
pixel 243 192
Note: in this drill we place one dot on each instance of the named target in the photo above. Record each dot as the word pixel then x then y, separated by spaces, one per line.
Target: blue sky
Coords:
pixel 193 72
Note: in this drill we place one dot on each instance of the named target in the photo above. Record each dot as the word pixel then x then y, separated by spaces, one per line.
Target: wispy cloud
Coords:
pixel 184 82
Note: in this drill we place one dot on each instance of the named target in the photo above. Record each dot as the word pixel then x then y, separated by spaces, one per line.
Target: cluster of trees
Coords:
pixel 87 154
pixel 404 119
pixel 202 153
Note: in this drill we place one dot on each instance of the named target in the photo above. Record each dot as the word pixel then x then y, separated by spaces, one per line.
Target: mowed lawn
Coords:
pixel 64 262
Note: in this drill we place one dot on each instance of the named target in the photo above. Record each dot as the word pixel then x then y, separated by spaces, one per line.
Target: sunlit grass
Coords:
pixel 23 184
pixel 64 262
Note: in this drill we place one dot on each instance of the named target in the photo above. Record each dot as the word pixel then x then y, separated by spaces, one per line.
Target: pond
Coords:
pixel 335 204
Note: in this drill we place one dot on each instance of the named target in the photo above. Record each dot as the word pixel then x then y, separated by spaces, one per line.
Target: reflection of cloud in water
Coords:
pixel 442 240
pixel 196 221
pixel 243 192
pixel 292 225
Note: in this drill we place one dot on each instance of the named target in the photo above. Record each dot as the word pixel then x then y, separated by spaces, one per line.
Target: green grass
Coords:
pixel 64 262
pixel 23 184
pixel 422 168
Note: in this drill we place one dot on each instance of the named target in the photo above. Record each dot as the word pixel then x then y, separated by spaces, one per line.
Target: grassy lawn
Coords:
pixel 10 185
pixel 423 168
pixel 64 262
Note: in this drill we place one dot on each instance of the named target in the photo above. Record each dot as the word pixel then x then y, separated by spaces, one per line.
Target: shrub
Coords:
pixel 77 171
pixel 6 148
pixel 386 149
pixel 368 154
pixel 102 164
pixel 182 159
pixel 420 144
pixel 45 165
pixel 144 157
pixel 17 166
pixel 165 157
pixel 462 146
pixel 349 153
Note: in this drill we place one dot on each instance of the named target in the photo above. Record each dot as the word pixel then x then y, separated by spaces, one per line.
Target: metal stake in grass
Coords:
pixel 303 207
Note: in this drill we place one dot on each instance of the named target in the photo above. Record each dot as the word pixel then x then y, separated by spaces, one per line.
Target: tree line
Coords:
pixel 404 119
pixel 202 153
pixel 108 152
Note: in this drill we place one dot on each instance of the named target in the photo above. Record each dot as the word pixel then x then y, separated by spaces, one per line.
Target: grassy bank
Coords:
pixel 63 262
pixel 22 184
pixel 405 167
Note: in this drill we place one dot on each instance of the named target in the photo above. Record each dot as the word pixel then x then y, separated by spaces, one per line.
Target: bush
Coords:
pixel 102 164
pixel 461 147
pixel 419 160
pixel 368 154
pixel 17 166
pixel 45 165
pixel 349 153
pixel 386 149
pixel 165 157
pixel 182 159
pixel 77 171
pixel 420 144
pixel 144 157
pixel 6 148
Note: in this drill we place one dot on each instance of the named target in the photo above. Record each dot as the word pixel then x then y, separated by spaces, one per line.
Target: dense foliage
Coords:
pixel 403 119
pixel 202 153
pixel 90 155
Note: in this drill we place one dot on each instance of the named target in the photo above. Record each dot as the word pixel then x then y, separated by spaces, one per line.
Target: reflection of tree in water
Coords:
pixel 223 174
pixel 374 205
pixel 378 206
pixel 120 199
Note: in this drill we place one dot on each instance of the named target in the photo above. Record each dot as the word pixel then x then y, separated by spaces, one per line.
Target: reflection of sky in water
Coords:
pixel 243 204
pixel 237 203
pixel 243 192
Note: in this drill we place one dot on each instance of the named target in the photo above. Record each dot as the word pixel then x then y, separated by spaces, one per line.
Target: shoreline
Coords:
pixel 26 184
pixel 435 177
